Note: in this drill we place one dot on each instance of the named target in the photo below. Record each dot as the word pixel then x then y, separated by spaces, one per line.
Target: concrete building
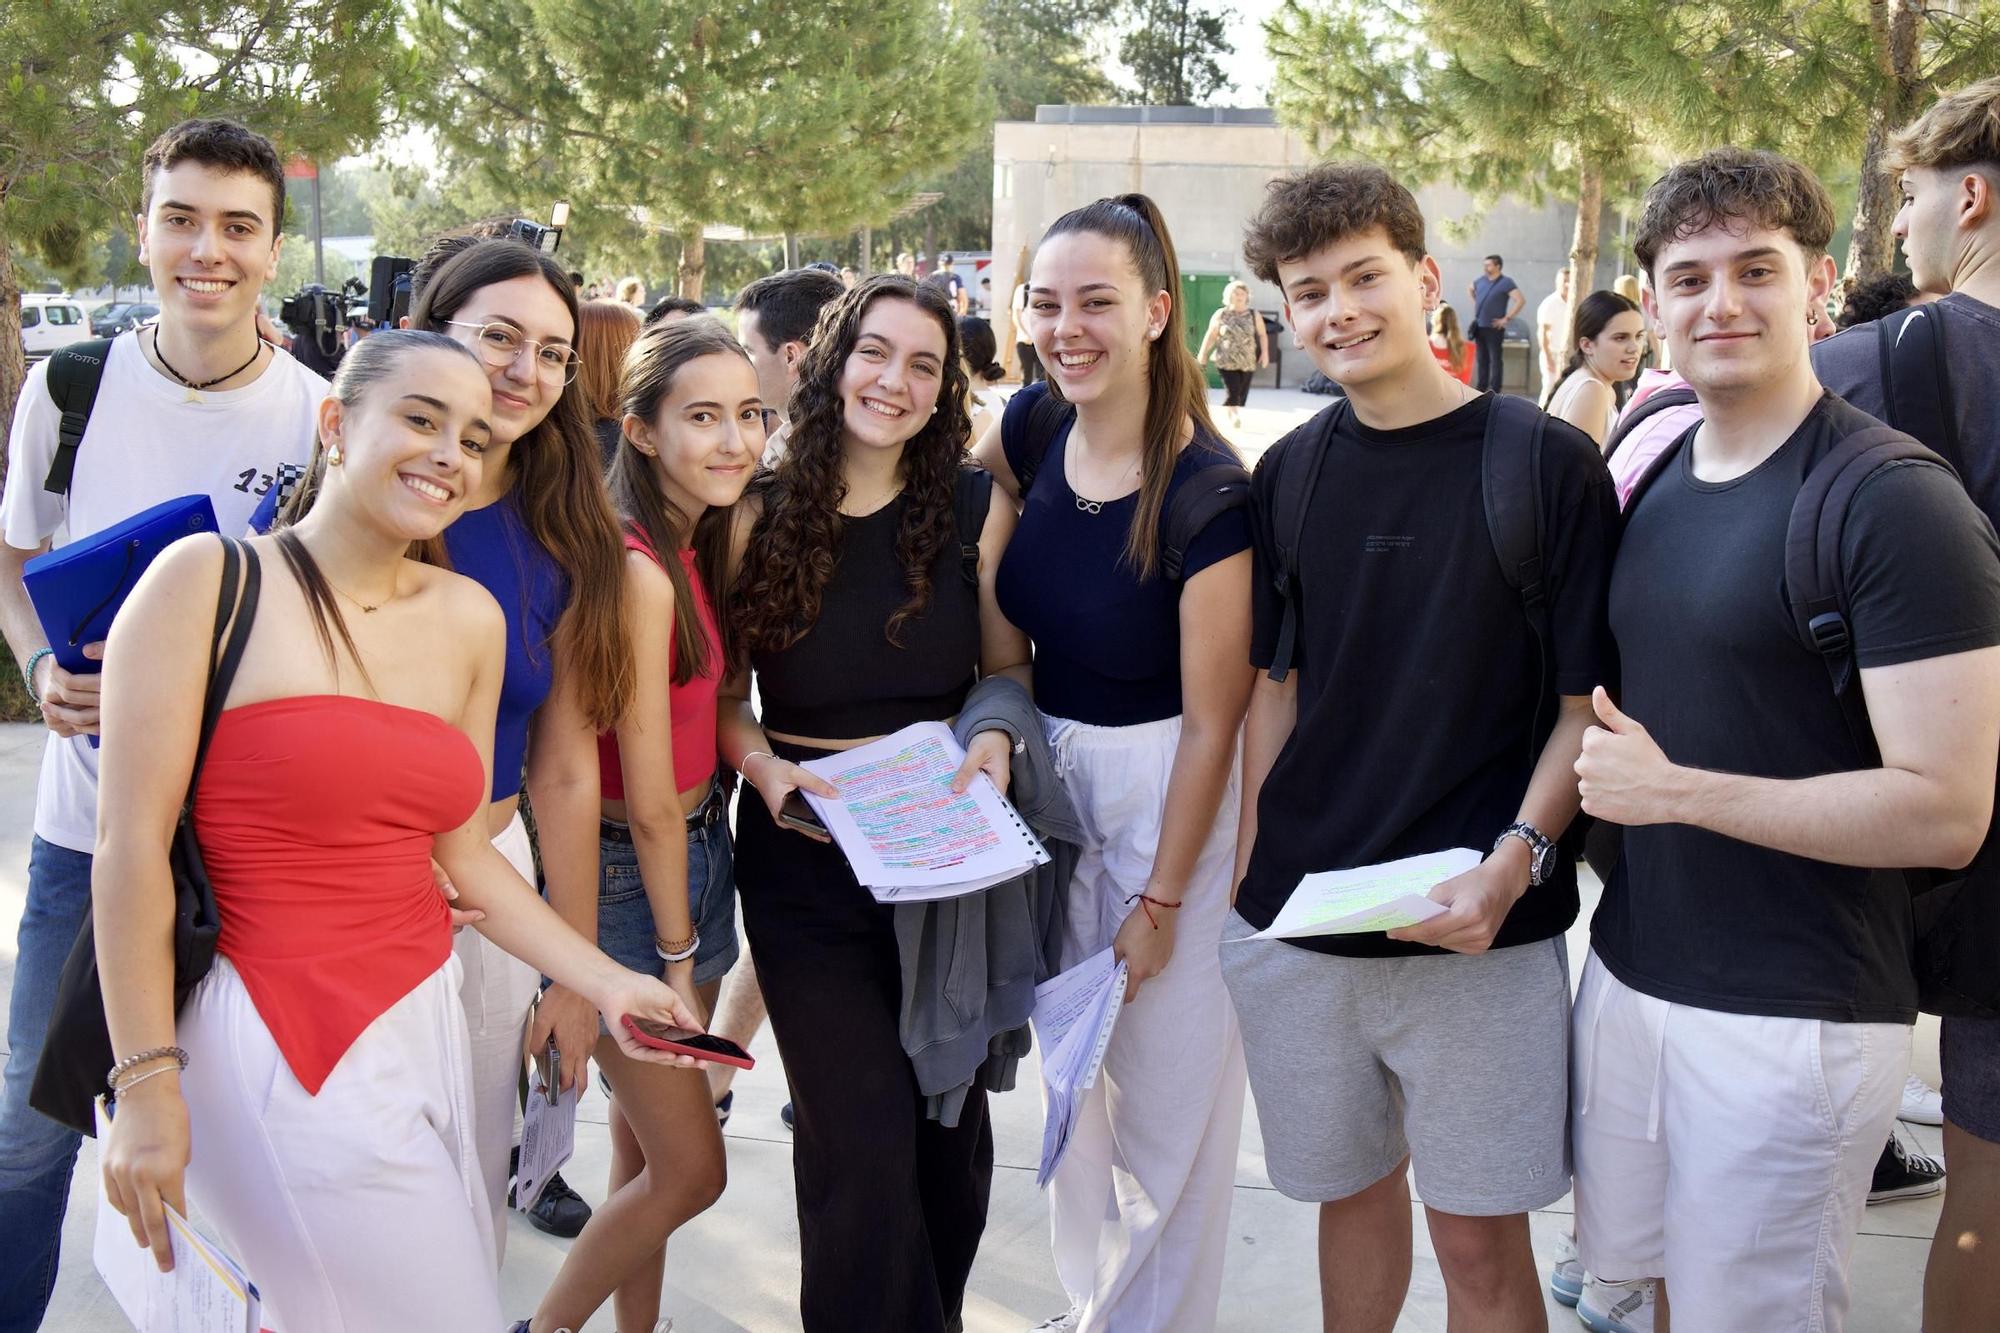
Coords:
pixel 1207 168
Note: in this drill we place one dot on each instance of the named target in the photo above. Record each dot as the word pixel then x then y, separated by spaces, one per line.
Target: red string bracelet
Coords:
pixel 1147 904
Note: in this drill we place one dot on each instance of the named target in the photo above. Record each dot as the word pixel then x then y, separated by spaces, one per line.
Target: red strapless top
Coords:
pixel 315 816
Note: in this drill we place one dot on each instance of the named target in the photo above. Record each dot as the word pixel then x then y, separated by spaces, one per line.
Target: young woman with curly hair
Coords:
pixel 855 614
pixel 1142 675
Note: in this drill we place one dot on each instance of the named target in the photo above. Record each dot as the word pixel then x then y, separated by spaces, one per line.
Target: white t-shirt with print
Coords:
pixel 149 440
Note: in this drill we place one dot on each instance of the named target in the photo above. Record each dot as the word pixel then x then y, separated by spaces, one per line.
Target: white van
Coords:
pixel 49 322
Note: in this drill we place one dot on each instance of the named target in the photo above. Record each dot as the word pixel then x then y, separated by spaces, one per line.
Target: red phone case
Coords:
pixel 645 1038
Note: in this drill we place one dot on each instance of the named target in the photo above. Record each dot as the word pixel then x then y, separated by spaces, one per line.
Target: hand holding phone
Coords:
pixel 703 1046
pixel 796 813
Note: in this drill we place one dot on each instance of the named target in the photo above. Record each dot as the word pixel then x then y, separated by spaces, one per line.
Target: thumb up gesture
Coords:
pixel 1622 774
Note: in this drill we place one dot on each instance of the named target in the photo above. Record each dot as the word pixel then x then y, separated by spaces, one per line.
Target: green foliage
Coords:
pixel 1038 51
pixel 1173 48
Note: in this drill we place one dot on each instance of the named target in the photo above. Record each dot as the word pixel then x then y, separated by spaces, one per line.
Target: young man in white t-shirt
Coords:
pixel 1551 324
pixel 196 403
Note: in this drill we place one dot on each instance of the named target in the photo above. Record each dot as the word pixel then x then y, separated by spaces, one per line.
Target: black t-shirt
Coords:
pixel 1422 705
pixel 1714 669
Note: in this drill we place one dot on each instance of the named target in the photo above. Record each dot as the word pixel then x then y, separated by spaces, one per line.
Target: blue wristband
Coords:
pixel 28 671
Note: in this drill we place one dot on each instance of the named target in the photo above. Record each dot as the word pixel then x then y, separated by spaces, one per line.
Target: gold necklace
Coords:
pixel 365 608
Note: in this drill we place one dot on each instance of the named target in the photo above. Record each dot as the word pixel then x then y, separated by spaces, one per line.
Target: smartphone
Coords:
pixel 549 1065
pixel 700 1045
pixel 795 813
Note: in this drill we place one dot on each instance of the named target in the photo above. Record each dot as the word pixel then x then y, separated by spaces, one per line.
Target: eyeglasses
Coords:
pixel 499 344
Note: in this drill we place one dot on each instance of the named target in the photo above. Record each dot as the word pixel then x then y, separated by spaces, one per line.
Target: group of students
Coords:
pixel 456 605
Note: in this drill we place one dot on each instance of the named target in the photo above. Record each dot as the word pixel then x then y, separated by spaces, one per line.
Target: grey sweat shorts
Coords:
pixel 1459 1062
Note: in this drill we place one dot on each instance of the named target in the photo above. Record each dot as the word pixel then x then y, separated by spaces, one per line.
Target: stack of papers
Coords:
pixel 205 1293
pixel 1074 1015
pixel 548 1137
pixel 906 834
pixel 1367 898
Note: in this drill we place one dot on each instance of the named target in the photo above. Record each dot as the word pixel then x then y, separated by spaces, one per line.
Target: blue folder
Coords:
pixel 77 589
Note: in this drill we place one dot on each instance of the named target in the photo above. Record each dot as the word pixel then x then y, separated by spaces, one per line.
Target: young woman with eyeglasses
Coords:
pixel 541 535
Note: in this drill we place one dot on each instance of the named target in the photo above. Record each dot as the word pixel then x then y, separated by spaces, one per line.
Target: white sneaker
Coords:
pixel 1062 1323
pixel 1922 1104
pixel 1618 1307
pixel 1566 1276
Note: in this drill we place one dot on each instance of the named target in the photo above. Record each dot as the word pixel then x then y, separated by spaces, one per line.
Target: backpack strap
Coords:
pixel 1511 483
pixel 1047 416
pixel 1197 502
pixel 1916 388
pixel 1298 470
pixel 75 372
pixel 1815 583
pixel 970 499
pixel 1660 400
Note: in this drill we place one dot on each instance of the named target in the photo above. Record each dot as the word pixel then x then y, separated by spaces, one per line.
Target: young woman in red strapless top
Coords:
pixel 320 1118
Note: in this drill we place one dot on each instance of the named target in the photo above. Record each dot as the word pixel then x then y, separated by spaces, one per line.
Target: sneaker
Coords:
pixel 722 1107
pixel 1922 1104
pixel 1566 1275
pixel 786 1115
pixel 560 1211
pixel 1902 1174
pixel 1617 1307
pixel 1062 1323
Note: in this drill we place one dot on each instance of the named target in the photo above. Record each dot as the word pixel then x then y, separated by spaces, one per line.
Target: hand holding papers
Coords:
pixel 1074 1015
pixel 1367 898
pixel 548 1137
pixel 907 835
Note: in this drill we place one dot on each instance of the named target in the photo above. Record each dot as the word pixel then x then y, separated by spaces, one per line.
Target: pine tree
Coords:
pixel 1173 49
pixel 805 118
pixel 84 88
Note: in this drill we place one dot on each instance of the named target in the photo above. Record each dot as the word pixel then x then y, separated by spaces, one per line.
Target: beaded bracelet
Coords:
pixel 131 1062
pixel 679 951
pixel 28 671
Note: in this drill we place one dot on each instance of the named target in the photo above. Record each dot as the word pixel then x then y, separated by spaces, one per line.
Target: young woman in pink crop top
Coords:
pixel 313 1091
pixel 692 431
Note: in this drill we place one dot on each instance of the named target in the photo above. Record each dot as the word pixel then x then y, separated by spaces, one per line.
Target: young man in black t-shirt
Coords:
pixel 1742 1027
pixel 1421 713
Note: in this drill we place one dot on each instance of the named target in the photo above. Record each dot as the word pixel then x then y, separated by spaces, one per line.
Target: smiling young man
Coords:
pixel 195 403
pixel 1423 711
pixel 1742 1027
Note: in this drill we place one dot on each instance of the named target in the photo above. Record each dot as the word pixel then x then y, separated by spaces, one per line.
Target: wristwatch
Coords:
pixel 1541 852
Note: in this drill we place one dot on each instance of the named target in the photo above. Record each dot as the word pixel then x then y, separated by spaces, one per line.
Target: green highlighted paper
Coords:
pixel 1368 898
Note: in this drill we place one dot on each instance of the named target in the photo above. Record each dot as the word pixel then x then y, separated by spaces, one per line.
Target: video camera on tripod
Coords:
pixel 389 275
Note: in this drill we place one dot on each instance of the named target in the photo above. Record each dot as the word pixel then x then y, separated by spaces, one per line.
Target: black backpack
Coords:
pixel 1956 914
pixel 75 372
pixel 969 500
pixel 1208 494
pixel 1511 482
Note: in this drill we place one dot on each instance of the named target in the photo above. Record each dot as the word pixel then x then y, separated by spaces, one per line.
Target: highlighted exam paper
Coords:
pixel 1367 898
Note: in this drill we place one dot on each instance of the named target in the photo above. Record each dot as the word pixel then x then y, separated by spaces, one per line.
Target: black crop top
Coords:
pixel 843 679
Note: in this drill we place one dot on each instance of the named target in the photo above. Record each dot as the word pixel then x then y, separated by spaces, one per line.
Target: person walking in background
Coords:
pixel 1551 327
pixel 952 285
pixel 1495 301
pixel 606 329
pixel 1448 345
pixel 1605 343
pixel 1236 338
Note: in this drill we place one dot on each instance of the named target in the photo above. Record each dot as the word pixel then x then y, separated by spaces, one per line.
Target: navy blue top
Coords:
pixel 1107 643
pixel 493 546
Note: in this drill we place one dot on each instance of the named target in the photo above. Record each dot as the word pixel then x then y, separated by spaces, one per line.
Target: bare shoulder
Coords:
pixel 462 603
pixel 647 583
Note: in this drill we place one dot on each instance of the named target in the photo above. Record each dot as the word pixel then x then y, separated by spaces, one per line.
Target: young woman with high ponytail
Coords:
pixel 1142 678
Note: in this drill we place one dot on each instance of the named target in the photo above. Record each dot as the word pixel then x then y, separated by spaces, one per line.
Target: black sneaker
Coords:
pixel 786 1115
pixel 1901 1174
pixel 723 1105
pixel 560 1211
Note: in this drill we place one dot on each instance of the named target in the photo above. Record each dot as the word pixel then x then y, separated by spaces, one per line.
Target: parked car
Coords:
pixel 49 322
pixel 119 316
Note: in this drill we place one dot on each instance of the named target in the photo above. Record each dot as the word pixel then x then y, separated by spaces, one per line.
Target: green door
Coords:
pixel 1201 297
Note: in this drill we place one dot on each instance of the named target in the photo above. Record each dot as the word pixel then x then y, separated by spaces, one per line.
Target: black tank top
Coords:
pixel 843 679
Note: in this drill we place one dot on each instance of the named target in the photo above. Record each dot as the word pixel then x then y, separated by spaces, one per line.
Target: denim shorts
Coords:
pixel 625 927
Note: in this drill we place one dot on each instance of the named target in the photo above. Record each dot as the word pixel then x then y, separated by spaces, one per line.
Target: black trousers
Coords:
pixel 1031 364
pixel 891 1203
pixel 1236 387
pixel 1487 373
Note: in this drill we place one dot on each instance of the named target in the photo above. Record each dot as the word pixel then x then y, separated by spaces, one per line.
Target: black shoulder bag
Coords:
pixel 77 1052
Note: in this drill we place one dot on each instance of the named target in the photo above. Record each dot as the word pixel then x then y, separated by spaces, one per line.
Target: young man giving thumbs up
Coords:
pixel 1742 1026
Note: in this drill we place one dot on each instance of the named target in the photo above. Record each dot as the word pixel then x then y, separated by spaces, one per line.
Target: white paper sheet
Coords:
pixel 548 1137
pixel 905 833
pixel 206 1292
pixel 1366 898
pixel 1074 1015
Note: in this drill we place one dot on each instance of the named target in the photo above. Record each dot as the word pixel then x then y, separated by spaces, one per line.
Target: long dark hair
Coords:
pixel 558 482
pixel 1593 313
pixel 797 538
pixel 366 364
pixel 650 367
pixel 1176 392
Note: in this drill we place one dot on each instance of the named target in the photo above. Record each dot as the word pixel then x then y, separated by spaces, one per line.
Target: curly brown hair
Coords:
pixel 1309 210
pixel 796 541
pixel 1734 188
